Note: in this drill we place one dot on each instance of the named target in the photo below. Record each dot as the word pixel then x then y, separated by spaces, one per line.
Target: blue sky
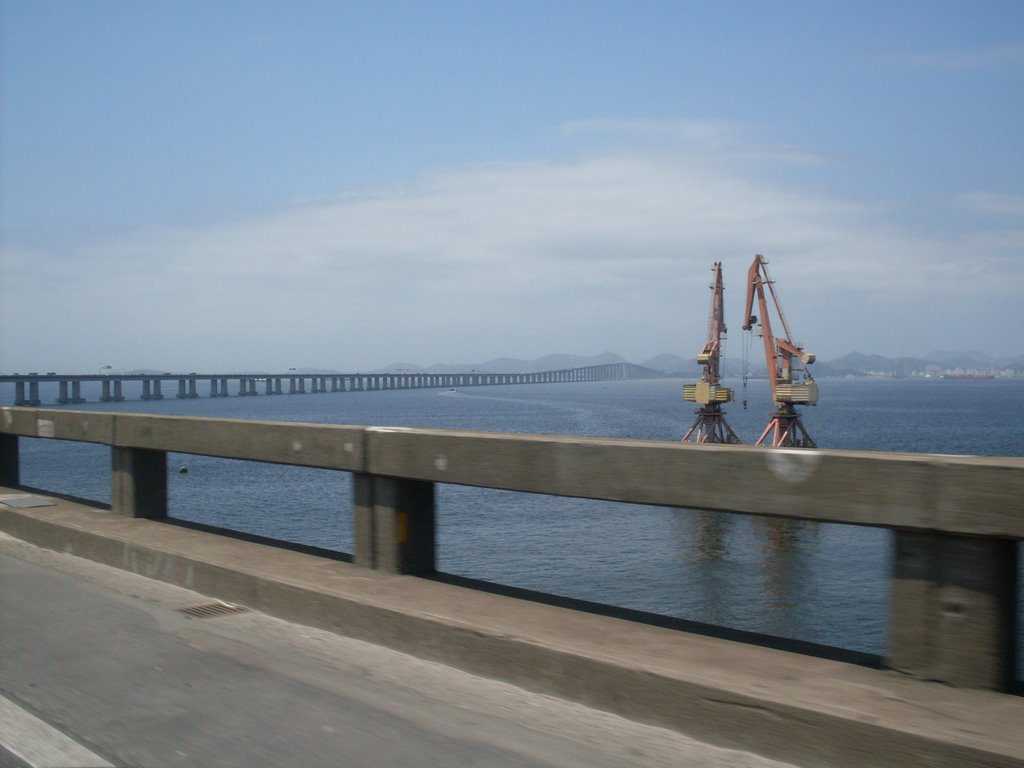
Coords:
pixel 265 185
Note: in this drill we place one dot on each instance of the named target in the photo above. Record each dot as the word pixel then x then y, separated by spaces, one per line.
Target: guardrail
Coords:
pixel 953 590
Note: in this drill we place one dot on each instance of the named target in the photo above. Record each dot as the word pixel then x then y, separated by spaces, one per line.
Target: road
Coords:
pixel 107 660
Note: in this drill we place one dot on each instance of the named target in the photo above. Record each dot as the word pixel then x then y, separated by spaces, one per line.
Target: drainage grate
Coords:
pixel 210 610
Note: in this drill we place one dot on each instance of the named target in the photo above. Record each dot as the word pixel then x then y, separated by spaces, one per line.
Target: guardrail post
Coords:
pixel 9 467
pixel 139 482
pixel 394 524
pixel 953 606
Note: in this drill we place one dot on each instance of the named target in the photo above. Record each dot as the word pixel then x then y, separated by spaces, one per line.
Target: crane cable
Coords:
pixel 747 335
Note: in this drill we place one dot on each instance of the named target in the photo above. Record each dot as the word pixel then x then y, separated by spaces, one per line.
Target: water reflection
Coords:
pixel 787 576
pixel 746 572
pixel 712 528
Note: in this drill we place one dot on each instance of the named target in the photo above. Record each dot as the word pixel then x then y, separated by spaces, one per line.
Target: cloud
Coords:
pixel 994 203
pixel 608 250
pixel 991 57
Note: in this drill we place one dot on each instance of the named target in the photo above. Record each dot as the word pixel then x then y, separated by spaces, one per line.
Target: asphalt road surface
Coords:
pixel 100 667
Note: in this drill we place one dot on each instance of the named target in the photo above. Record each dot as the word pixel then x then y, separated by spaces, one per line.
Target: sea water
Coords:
pixel 821 583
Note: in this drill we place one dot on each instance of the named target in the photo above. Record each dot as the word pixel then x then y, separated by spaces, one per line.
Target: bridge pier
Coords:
pixel 106 396
pixel 151 389
pixel 33 393
pixel 76 392
pixel 187 394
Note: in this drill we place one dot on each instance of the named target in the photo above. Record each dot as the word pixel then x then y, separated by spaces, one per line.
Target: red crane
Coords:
pixel 711 426
pixel 792 384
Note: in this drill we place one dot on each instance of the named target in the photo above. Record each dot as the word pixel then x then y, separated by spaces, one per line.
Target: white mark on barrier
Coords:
pixel 8 418
pixel 296 445
pixel 349 448
pixel 792 466
pixel 45 428
pixel 441 462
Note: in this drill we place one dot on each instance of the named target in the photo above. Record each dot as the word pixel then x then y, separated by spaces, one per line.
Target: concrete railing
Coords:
pixel 956 520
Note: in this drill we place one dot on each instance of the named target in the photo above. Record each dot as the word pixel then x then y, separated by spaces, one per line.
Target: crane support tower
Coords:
pixel 792 384
pixel 710 425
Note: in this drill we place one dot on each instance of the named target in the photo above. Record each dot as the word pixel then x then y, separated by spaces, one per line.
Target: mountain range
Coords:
pixel 852 364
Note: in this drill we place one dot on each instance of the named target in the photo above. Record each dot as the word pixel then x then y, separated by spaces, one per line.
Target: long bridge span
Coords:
pixel 193 385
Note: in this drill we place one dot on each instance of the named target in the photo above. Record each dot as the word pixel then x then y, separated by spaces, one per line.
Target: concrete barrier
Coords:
pixel 956 520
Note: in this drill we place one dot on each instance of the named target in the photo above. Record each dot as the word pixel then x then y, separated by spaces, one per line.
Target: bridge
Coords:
pixel 189 385
pixel 940 695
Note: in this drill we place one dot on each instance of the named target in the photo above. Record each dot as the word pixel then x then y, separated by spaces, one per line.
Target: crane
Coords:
pixel 791 382
pixel 710 425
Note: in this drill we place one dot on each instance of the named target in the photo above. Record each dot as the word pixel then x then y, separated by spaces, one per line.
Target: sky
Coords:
pixel 264 185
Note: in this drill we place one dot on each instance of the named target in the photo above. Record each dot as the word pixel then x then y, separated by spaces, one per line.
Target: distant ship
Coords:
pixel 969 376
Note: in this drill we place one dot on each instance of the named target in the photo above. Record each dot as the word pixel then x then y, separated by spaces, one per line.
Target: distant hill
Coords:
pixel 553 362
pixel 959 359
pixel 671 364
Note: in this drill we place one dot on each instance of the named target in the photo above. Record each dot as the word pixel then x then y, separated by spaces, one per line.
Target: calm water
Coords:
pixel 815 582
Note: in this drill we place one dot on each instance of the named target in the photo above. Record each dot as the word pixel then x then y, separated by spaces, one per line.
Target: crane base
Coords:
pixel 785 430
pixel 711 427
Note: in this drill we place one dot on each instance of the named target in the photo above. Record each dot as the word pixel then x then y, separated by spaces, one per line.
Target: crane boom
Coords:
pixel 710 425
pixel 786 361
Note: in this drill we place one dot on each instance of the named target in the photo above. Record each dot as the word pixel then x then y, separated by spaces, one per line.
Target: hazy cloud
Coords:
pixel 608 251
pixel 991 57
pixel 994 204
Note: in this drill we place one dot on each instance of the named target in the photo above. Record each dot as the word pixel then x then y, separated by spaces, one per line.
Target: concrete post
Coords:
pixel 33 393
pixel 181 389
pixel 157 394
pixel 139 482
pixel 76 392
pixel 9 466
pixel 105 396
pixel 952 610
pixel 63 398
pixel 192 388
pixel 146 389
pixel 19 393
pixel 394 524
